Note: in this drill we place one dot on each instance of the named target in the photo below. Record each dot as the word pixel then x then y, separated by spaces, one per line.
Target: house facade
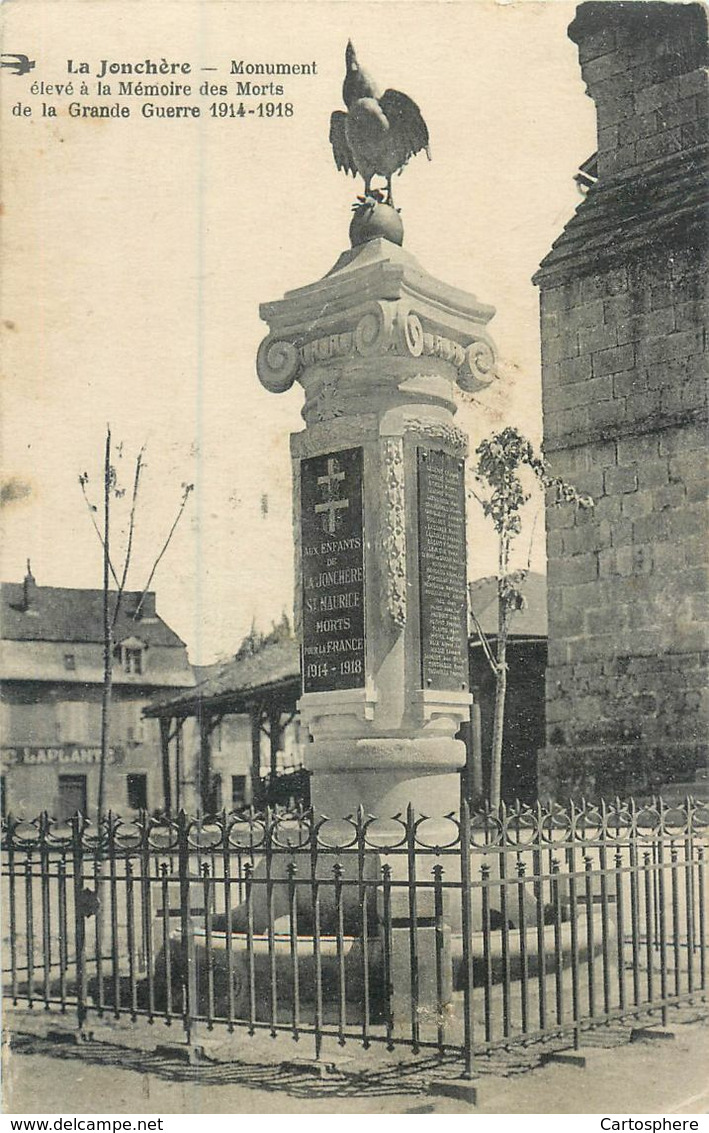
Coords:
pixel 51 680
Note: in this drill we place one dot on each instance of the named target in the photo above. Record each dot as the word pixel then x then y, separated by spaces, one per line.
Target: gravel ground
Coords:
pixel 120 1072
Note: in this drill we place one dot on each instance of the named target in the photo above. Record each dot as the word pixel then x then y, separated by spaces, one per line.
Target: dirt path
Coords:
pixel 42 1075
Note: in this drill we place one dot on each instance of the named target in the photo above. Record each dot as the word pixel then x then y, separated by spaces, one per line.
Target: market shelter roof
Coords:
pixel 235 685
pixel 528 622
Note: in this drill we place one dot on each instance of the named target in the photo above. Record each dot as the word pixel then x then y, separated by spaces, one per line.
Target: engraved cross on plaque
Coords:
pixel 331 483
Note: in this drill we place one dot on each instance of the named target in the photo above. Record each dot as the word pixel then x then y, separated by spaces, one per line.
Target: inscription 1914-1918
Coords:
pixel 442 570
pixel 333 571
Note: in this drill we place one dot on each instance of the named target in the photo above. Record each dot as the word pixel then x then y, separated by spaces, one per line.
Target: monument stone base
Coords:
pixel 385 775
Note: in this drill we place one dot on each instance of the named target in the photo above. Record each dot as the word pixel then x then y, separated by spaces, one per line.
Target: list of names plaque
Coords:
pixel 332 544
pixel 442 570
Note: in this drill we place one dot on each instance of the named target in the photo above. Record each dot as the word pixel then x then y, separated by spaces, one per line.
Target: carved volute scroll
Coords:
pixel 478 369
pixel 395 309
pixel 277 364
pixel 378 331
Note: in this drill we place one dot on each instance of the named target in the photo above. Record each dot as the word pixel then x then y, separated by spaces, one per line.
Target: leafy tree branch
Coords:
pixel 501 458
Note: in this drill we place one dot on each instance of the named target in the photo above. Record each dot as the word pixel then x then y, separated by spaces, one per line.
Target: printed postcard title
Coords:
pixel 161 89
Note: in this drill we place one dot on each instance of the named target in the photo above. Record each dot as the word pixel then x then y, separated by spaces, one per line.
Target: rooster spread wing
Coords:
pixel 342 153
pixel 406 123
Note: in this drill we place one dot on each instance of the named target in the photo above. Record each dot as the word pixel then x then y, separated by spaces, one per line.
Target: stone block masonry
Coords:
pixel 624 349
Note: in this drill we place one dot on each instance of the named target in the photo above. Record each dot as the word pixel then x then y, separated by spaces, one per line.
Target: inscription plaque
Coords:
pixel 333 571
pixel 442 570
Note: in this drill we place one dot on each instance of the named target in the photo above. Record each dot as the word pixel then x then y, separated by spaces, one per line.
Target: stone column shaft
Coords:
pixel 377 346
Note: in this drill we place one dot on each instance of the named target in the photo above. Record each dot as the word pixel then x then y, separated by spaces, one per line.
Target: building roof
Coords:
pixel 63 614
pixel 530 621
pixel 229 685
pixel 632 211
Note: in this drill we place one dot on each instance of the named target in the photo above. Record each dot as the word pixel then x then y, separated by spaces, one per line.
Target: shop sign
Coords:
pixel 30 755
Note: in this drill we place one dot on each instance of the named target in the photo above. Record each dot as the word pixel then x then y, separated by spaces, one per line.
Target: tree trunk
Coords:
pixel 498 723
pixel 498 726
pixel 107 634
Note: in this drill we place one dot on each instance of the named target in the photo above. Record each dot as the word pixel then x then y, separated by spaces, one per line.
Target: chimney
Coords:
pixel 144 605
pixel 643 65
pixel 28 587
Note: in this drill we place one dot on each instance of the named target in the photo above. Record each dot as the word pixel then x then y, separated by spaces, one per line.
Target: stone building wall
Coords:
pixel 624 329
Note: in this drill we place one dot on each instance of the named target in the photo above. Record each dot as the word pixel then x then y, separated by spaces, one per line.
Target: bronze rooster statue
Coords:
pixel 379 132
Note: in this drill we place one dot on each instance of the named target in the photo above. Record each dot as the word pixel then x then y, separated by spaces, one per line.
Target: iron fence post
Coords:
pixel 317 958
pixel 387 951
pixel 46 914
pixel 677 943
pixel 439 946
pixel 487 959
pixel 558 952
pixel 605 937
pixel 29 928
pixel 292 872
pixel 187 962
pixel 467 929
pixel 573 914
pixel 63 931
pixel 12 898
pixel 688 864
pixel 702 919
pixel 79 921
pixel 620 931
pixel 364 910
pixel 338 874
pixel 270 906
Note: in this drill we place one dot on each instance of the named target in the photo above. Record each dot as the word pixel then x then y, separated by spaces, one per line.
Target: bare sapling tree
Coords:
pixel 115 580
pixel 502 458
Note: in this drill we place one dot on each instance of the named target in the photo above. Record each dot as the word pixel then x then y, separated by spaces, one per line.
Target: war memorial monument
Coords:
pixel 378 346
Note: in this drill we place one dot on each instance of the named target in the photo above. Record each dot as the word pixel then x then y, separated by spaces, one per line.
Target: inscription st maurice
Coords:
pixel 333 571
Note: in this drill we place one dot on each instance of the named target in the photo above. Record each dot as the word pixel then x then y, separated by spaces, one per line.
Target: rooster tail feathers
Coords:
pixel 344 158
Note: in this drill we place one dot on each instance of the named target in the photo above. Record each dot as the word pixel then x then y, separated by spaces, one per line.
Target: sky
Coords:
pixel 136 252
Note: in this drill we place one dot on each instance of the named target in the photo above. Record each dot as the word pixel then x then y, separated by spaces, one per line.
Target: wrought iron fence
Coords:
pixel 458 934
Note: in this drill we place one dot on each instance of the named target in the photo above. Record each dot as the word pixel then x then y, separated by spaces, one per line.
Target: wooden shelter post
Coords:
pixel 165 751
pixel 274 736
pixel 178 763
pixel 204 778
pixel 255 717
